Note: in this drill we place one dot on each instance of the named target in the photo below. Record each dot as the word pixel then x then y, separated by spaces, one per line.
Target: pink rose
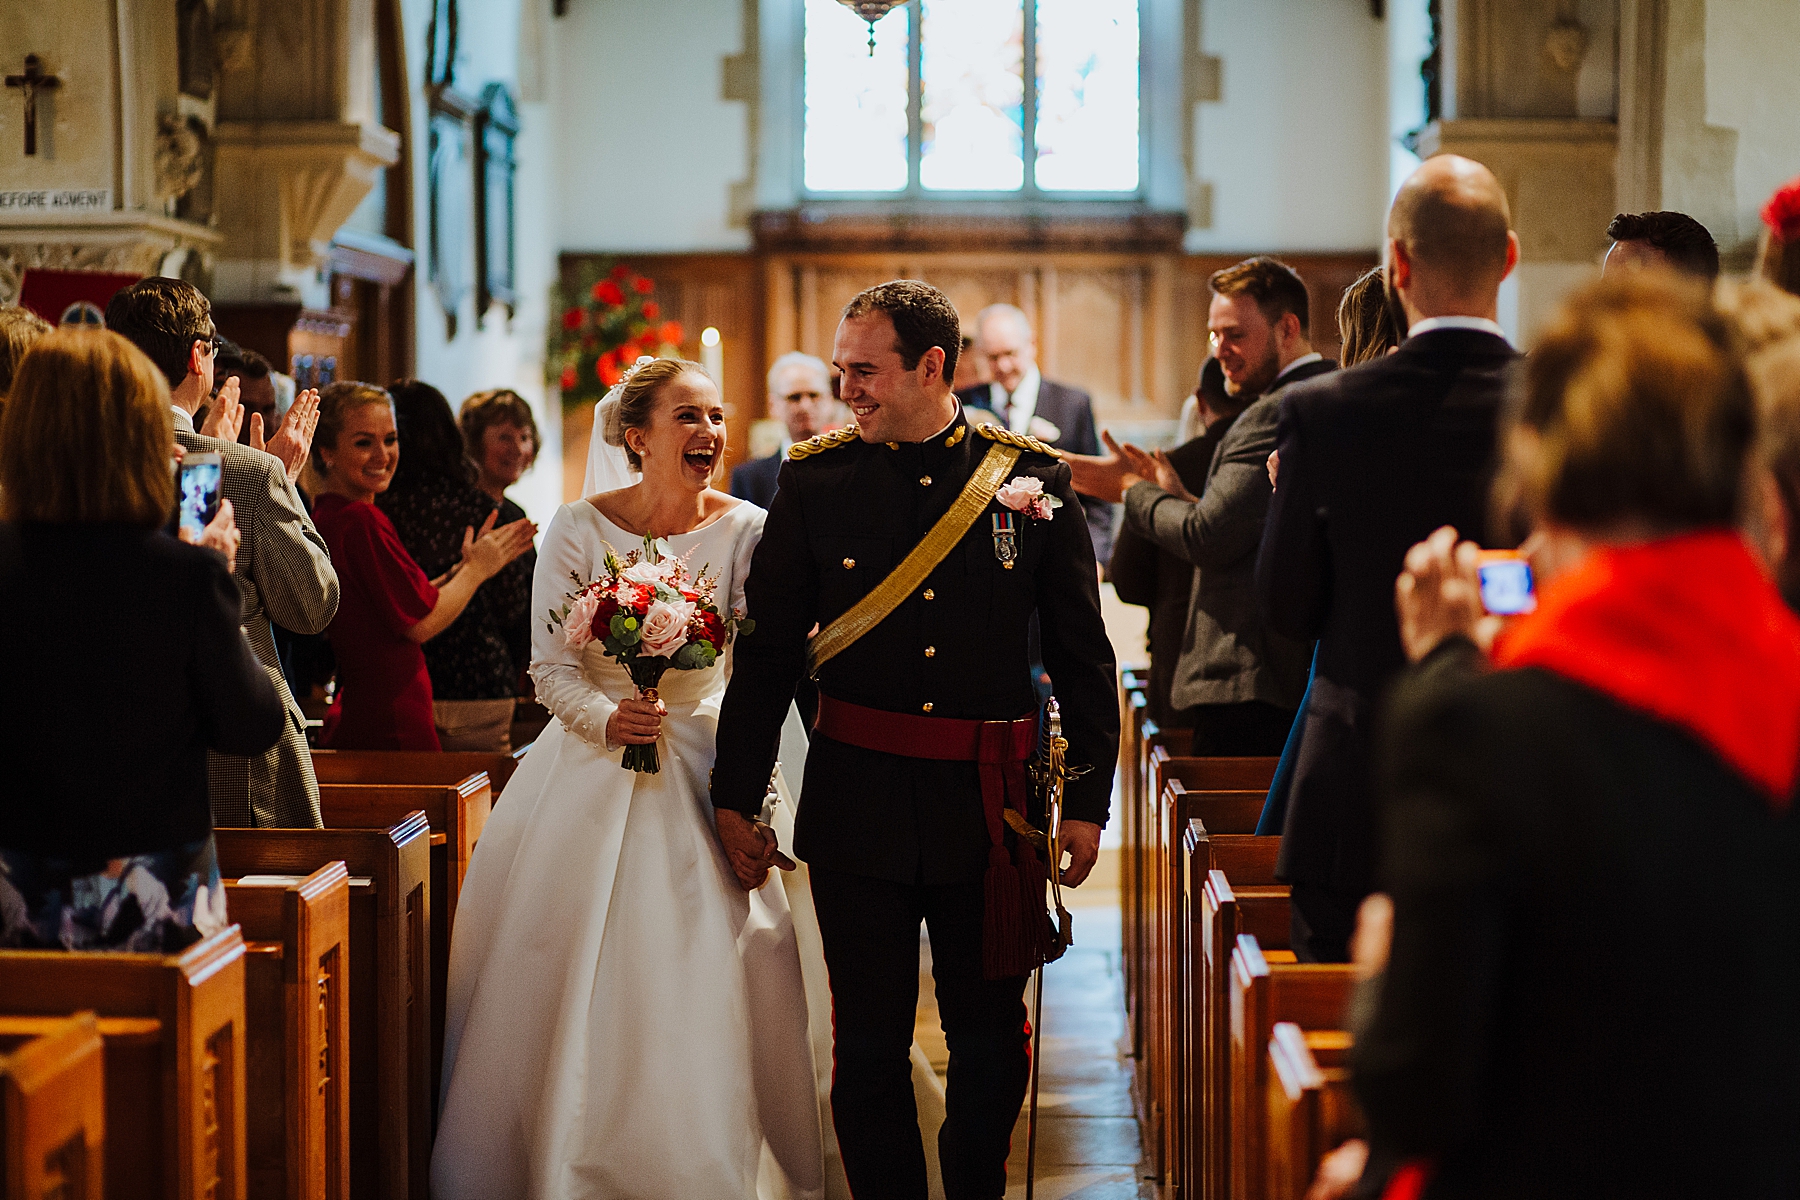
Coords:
pixel 1020 492
pixel 578 626
pixel 644 573
pixel 666 628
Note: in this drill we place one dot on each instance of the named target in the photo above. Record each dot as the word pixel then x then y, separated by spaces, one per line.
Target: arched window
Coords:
pixel 971 98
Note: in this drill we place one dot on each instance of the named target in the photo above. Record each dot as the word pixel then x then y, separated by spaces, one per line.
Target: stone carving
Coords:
pixel 141 258
pixel 180 155
pixel 1566 44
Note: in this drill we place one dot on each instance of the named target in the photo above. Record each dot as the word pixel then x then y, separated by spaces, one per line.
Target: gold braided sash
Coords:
pixel 887 595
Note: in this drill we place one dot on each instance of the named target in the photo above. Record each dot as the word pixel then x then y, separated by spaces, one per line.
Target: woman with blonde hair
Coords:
pixel 125 663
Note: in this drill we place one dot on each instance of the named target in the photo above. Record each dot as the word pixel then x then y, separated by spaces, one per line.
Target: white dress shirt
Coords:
pixel 1017 409
pixel 1302 361
pixel 1479 324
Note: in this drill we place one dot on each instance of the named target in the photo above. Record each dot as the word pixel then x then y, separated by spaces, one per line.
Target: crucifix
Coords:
pixel 32 81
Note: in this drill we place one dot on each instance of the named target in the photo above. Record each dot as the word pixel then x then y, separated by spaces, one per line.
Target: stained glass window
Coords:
pixel 1087 95
pixel 942 105
pixel 856 103
pixel 972 95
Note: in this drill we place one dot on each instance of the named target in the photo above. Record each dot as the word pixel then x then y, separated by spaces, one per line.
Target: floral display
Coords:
pixel 604 326
pixel 1782 212
pixel 650 614
pixel 1025 494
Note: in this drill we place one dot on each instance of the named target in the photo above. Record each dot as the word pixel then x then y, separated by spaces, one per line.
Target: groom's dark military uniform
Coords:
pixel 891 839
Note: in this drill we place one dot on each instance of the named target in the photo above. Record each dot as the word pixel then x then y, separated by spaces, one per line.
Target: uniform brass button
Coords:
pixel 930 595
pixel 893 445
pixel 927 706
pixel 931 652
pixel 849 563
pixel 924 481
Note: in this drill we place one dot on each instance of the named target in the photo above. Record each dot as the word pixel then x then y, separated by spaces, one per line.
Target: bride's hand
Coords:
pixel 749 847
pixel 635 723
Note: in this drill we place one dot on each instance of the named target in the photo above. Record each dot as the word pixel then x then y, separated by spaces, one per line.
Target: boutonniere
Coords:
pixel 1025 494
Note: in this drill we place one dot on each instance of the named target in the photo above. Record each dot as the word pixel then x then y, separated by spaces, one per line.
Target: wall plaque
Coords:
pixel 61 200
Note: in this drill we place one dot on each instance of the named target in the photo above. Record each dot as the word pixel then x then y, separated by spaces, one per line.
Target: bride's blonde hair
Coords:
pixel 635 403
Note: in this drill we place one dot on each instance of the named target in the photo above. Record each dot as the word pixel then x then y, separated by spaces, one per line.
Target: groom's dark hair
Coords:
pixel 923 317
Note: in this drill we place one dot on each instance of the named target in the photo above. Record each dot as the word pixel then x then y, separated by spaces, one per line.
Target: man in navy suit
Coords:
pixel 1374 459
pixel 1028 403
pixel 800 398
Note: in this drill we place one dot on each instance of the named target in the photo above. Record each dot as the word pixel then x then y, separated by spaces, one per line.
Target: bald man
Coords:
pixel 1373 459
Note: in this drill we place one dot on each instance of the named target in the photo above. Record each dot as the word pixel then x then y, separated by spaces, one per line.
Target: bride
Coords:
pixel 624 1019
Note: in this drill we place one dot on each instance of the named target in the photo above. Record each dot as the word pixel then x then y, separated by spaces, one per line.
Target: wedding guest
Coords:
pixel 283 568
pixel 800 397
pixel 1544 806
pixel 500 436
pixel 433 502
pixel 20 328
pixel 256 389
pixel 390 607
pixel 125 659
pixel 1767 322
pixel 1670 241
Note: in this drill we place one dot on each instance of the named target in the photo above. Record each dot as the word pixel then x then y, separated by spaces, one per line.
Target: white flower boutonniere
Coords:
pixel 1025 494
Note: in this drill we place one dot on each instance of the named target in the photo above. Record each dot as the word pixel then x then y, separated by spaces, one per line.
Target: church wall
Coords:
pixel 1752 86
pixel 497 351
pixel 646 151
pixel 1295 147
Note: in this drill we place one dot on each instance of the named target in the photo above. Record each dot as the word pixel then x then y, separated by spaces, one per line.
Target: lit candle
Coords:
pixel 712 355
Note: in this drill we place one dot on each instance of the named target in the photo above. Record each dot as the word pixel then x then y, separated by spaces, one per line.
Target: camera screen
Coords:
pixel 199 494
pixel 1506 587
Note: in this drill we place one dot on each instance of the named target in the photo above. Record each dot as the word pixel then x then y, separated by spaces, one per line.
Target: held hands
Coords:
pixel 1438 596
pixel 221 534
pixel 226 416
pixel 750 846
pixel 294 438
pixel 485 553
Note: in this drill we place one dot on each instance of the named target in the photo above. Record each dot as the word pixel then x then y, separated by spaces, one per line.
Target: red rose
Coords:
pixel 607 292
pixel 607 368
pixel 620 272
pixel 569 379
pixel 572 319
pixel 604 612
pixel 1782 212
pixel 670 333
pixel 652 310
pixel 712 629
pixel 642 286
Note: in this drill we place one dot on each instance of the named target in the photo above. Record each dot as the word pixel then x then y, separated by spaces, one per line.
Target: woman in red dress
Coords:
pixel 388 608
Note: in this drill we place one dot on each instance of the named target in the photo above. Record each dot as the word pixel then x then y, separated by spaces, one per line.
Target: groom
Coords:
pixel 894 823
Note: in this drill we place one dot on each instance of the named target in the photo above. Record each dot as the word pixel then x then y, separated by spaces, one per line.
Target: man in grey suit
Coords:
pixel 1238 682
pixel 283 569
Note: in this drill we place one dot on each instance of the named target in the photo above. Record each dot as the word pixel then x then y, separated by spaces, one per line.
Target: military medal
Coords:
pixel 1006 538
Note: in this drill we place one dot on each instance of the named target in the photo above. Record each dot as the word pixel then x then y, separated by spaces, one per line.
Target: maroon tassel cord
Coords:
pixel 1005 950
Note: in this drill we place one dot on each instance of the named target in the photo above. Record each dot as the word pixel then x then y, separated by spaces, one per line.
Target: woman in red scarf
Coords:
pixel 1593 982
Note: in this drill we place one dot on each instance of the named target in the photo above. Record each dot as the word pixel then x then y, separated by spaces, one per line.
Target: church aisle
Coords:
pixel 1088 1141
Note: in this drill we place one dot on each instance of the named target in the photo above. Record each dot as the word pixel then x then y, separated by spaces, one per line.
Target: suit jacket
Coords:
pixel 285 575
pixel 846 513
pixel 1228 653
pixel 1594 982
pixel 755 480
pixel 127 663
pixel 1372 460
pixel 1071 410
pixel 1144 573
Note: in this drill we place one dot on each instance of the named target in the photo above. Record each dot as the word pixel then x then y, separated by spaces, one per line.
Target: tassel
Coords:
pixel 1033 882
pixel 1004 951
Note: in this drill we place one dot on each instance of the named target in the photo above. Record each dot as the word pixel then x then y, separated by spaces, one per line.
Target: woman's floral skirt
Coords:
pixel 158 903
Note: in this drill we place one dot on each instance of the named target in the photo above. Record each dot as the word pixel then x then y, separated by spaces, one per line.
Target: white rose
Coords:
pixel 1020 492
pixel 578 626
pixel 647 573
pixel 665 628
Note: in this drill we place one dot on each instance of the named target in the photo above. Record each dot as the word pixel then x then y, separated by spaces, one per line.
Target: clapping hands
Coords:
pixel 1109 476
pixel 225 417
pixel 293 439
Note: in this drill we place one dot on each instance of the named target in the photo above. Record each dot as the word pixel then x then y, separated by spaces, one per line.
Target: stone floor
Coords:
pixel 1088 1145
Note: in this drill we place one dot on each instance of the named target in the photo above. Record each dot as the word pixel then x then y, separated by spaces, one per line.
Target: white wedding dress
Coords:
pixel 623 1019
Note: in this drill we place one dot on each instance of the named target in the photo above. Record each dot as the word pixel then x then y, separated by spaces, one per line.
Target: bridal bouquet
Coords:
pixel 650 614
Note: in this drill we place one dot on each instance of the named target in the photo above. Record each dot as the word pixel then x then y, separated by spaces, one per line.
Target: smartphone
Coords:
pixel 1506 584
pixel 197 491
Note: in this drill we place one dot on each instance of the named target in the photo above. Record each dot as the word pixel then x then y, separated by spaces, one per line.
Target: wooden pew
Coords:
pixel 415 766
pixel 297 1006
pixel 1221 793
pixel 53 1112
pixel 390 972
pixel 1209 920
pixel 457 812
pixel 1310 995
pixel 173 1033
pixel 1133 712
pixel 1311 1110
pixel 1157 745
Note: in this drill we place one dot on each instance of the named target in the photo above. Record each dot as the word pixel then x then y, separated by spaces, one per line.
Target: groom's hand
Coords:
pixel 749 846
pixel 1081 841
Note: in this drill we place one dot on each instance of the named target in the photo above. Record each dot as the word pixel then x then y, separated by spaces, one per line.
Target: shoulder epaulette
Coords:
pixel 824 442
pixel 999 433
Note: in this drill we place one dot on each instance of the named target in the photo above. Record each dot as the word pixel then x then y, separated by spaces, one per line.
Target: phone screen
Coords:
pixel 197 491
pixel 1506 584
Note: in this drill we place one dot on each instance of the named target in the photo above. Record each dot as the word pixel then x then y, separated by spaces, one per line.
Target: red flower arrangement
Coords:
pixel 608 322
pixel 1782 212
